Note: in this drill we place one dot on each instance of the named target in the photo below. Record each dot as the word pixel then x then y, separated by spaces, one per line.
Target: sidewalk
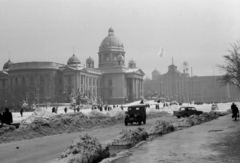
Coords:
pixel 191 145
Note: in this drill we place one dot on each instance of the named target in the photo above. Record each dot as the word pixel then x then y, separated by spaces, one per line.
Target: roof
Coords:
pixel 7 65
pixel 111 41
pixel 135 70
pixel 73 60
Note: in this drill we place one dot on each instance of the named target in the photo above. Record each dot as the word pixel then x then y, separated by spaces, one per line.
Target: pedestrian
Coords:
pixel 21 112
pixel 121 107
pixel 65 109
pixel 1 118
pixel 105 107
pixel 7 117
pixel 235 111
pixel 56 110
pixel 78 109
pixel 53 110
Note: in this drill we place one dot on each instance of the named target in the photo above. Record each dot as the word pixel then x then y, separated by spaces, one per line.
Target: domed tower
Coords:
pixel 131 64
pixel 155 74
pixel 109 50
pixel 73 61
pixel 7 65
pixel 90 63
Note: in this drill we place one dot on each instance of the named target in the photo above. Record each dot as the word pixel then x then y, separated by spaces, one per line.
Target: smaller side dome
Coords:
pixel 90 63
pixel 73 60
pixel 156 72
pixel 131 64
pixel 89 60
pixel 7 65
pixel 110 32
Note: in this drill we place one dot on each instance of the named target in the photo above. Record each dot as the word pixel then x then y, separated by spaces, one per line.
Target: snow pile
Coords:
pixel 6 128
pixel 153 114
pixel 97 114
pixel 194 120
pixel 85 149
pixel 130 137
pixel 39 113
pixel 204 117
pixel 117 113
pixel 184 122
pixel 161 127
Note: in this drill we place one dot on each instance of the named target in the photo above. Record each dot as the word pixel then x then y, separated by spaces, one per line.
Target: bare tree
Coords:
pixel 231 66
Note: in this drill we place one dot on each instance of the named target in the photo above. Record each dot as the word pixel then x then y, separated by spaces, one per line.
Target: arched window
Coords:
pixel 32 80
pixel 42 80
pixel 16 81
pixel 23 81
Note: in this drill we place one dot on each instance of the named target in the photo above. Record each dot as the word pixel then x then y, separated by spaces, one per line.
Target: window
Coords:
pixel 110 82
pixel 60 80
pixel 41 80
pixel 90 81
pixel 16 81
pixel 69 79
pixel 3 83
pixel 31 80
pixel 23 81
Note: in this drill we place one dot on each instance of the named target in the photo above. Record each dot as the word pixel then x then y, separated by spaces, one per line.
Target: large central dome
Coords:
pixel 110 42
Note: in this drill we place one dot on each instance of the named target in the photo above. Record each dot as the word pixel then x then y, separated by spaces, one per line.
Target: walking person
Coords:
pixel 0 118
pixel 7 117
pixel 65 109
pixel 21 112
pixel 235 111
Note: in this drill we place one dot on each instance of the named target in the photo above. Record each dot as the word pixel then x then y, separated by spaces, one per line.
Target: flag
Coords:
pixel 161 53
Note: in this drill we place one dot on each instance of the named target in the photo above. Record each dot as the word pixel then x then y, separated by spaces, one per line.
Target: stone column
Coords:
pixel 133 86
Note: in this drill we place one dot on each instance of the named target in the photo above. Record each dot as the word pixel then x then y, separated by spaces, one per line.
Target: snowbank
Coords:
pixel 161 127
pixel 130 137
pixel 85 149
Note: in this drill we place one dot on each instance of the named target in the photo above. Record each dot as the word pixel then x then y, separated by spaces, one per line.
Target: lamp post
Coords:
pixel 38 96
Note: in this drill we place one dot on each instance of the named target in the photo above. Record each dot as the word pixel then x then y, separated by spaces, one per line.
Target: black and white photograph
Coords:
pixel 119 81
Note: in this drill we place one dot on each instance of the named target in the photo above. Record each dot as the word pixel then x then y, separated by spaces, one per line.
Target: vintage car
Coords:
pixel 135 113
pixel 214 107
pixel 186 111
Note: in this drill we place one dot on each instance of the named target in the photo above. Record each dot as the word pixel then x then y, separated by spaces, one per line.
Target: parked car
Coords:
pixel 136 113
pixel 214 107
pixel 186 111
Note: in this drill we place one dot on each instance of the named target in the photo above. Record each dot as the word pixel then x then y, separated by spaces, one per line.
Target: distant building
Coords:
pixel 178 86
pixel 48 81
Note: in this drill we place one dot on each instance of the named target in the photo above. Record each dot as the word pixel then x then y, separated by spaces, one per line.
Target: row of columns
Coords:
pixel 137 87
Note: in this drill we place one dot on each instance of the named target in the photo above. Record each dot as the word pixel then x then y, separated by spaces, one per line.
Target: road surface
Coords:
pixel 191 145
pixel 46 149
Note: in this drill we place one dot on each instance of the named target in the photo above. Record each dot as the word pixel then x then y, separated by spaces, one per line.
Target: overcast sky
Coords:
pixel 196 31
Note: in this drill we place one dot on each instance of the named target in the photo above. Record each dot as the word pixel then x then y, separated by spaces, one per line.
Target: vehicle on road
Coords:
pixel 214 107
pixel 135 113
pixel 186 111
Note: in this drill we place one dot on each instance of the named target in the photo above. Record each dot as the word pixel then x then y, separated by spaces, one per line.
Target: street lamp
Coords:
pixel 38 96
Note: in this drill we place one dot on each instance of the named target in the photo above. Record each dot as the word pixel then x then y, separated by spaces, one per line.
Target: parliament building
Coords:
pixel 183 88
pixel 113 81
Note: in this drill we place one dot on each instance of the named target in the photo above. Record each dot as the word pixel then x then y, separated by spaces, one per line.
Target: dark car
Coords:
pixel 186 111
pixel 136 113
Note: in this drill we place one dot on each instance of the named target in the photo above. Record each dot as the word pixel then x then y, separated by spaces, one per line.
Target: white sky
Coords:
pixel 196 31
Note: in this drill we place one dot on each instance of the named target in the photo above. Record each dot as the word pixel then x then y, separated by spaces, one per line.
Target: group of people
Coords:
pixel 6 117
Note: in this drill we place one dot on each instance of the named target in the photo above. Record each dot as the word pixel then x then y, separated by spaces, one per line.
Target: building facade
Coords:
pixel 179 86
pixel 41 82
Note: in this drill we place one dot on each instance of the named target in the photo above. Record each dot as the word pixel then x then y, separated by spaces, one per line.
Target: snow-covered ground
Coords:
pixel 205 107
